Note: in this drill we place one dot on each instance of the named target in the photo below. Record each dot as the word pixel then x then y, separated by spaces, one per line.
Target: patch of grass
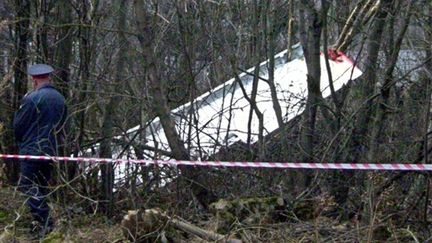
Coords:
pixel 54 237
pixel 3 216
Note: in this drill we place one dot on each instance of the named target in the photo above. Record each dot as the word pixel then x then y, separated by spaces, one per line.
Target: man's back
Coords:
pixel 39 121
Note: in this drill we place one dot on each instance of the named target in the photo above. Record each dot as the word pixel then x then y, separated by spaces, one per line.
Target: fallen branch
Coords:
pixel 203 234
pixel 138 225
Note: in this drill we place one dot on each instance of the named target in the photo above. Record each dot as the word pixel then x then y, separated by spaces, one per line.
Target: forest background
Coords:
pixel 122 63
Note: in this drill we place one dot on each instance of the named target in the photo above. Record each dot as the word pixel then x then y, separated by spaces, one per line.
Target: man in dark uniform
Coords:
pixel 38 126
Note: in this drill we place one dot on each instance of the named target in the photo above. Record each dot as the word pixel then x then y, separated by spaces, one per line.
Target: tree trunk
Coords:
pixel 22 9
pixel 107 170
pixel 62 60
pixel 378 132
pixel 147 25
pixel 353 23
pixel 367 85
pixel 290 30
pixel 42 10
pixel 86 38
pixel 63 52
pixel 310 36
pixel 359 139
pixel 271 51
pixel 256 44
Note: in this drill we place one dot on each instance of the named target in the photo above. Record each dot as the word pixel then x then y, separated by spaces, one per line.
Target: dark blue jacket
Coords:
pixel 39 122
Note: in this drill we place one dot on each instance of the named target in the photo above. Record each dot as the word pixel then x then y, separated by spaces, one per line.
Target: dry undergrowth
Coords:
pixel 15 223
pixel 81 227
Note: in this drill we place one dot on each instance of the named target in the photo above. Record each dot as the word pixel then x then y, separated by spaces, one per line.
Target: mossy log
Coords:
pixel 257 210
pixel 144 226
pixel 150 225
pixel 261 210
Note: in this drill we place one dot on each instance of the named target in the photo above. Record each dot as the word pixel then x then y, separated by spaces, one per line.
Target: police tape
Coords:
pixel 277 165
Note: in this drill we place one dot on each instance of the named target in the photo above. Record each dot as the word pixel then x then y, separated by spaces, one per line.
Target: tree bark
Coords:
pixel 41 12
pixel 147 25
pixel 21 37
pixel 63 52
pixel 271 51
pixel 368 81
pixel 352 25
pixel 290 30
pixel 310 36
pixel 86 52
pixel 107 170
pixel 382 113
pixel 358 150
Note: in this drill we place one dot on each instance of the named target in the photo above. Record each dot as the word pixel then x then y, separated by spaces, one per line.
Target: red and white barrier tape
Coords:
pixel 281 165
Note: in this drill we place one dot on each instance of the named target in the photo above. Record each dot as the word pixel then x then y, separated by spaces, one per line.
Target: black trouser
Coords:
pixel 34 183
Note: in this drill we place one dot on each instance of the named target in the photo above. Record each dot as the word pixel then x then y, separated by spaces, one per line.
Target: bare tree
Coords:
pixel 311 14
pixel 382 111
pixel 22 35
pixel 63 52
pixel 369 79
pixel 107 170
pixel 147 35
